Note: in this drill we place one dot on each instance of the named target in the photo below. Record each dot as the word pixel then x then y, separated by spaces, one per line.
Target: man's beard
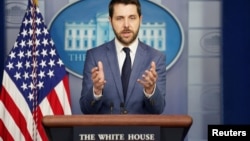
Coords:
pixel 124 41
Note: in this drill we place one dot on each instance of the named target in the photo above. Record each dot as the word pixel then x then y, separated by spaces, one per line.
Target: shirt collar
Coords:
pixel 132 46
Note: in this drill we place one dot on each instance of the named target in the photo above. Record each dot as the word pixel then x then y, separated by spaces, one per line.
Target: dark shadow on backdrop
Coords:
pixel 2 39
pixel 235 62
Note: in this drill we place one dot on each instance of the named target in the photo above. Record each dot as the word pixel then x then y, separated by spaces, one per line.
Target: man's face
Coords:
pixel 126 23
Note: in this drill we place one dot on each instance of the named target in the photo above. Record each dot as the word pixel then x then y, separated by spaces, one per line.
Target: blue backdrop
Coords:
pixel 236 62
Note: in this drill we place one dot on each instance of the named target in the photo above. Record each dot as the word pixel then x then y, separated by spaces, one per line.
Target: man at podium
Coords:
pixel 124 75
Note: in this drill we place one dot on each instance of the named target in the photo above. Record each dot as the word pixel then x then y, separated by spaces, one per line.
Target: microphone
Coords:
pixel 122 107
pixel 111 107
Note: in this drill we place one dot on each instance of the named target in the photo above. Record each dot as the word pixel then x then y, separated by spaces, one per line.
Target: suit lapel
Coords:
pixel 113 64
pixel 137 69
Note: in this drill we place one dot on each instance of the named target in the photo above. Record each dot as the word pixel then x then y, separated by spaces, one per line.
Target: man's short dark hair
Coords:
pixel 113 2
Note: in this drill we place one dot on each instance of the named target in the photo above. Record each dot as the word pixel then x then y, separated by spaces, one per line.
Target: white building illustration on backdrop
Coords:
pixel 80 36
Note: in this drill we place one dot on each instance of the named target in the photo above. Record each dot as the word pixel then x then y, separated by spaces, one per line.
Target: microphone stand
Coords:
pixel 123 110
pixel 111 107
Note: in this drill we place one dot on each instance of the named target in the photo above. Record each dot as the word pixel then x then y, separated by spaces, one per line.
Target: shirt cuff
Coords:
pixel 149 95
pixel 97 97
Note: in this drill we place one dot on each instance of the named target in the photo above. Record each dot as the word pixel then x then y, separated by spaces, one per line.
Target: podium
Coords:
pixel 172 127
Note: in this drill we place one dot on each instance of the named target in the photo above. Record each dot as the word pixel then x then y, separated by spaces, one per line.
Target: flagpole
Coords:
pixel 35 2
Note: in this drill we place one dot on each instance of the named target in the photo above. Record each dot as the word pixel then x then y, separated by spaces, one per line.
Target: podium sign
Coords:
pixel 117 133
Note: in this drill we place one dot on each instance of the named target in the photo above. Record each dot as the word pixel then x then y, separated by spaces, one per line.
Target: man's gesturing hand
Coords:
pixel 98 78
pixel 149 79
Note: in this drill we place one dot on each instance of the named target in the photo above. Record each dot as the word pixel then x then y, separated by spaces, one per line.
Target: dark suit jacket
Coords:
pixel 112 100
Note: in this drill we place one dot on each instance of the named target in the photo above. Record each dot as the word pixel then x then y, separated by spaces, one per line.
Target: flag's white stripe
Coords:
pixel 10 124
pixel 45 107
pixel 19 100
pixel 63 98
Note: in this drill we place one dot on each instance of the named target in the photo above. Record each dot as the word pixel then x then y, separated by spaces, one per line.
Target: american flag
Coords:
pixel 35 82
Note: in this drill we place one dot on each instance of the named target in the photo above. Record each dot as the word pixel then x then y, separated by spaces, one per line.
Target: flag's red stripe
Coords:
pixel 4 133
pixel 66 86
pixel 55 103
pixel 15 113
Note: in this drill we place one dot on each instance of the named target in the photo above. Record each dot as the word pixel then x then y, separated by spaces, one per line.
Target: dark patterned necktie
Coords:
pixel 126 70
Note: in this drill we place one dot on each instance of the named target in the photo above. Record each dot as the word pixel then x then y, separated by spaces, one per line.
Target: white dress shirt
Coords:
pixel 121 55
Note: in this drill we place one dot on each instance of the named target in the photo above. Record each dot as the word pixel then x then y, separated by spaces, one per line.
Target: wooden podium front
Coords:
pixel 172 127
